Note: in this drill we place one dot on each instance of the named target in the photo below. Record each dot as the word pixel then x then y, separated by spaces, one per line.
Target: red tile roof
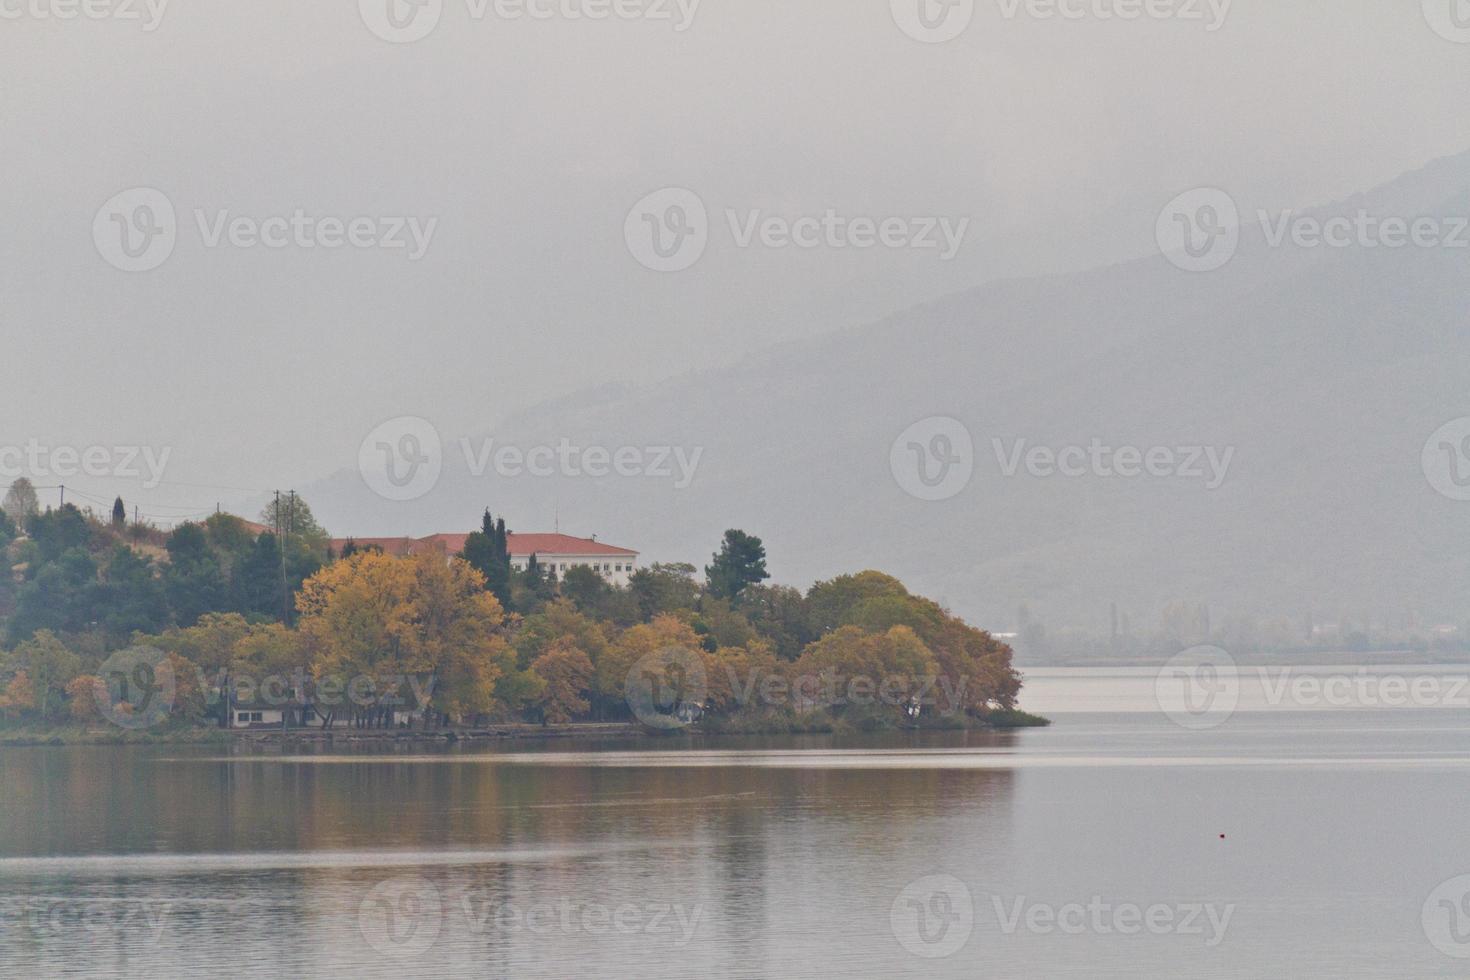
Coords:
pixel 519 545
pixel 391 546
pixel 525 545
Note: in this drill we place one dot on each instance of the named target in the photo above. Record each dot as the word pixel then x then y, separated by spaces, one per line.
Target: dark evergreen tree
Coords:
pixel 60 595
pixel 132 596
pixel 119 513
pixel 740 562
pixel 58 531
pixel 8 533
pixel 586 589
pixel 486 552
pixel 258 579
pixel 194 581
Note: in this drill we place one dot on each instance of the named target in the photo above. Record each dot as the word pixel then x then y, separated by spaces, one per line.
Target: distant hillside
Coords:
pixel 1325 370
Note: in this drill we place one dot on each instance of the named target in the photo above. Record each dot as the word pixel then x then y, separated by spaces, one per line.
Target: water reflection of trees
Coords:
pixel 766 852
pixel 99 800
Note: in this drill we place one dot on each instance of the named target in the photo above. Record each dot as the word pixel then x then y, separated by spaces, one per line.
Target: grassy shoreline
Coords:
pixel 814 723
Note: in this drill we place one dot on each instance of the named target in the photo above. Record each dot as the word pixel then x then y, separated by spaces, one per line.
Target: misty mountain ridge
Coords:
pixel 1306 365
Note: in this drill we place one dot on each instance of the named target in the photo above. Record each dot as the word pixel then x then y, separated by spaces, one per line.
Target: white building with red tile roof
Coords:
pixel 561 552
pixel 554 552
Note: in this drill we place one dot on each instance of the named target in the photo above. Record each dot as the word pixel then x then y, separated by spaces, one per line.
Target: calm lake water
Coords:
pixel 1289 839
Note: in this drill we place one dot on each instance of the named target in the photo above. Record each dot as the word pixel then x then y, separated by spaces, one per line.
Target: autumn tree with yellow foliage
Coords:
pixel 390 619
pixel 568 675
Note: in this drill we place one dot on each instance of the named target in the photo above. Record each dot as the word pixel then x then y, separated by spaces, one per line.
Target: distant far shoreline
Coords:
pixel 1295 658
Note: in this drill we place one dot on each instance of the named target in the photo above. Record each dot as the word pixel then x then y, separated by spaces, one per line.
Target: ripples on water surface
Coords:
pixel 749 858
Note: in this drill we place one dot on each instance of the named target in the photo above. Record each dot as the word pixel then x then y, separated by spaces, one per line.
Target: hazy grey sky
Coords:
pixel 529 141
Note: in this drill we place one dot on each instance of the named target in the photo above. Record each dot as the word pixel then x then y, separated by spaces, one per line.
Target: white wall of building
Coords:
pixel 616 569
pixel 245 717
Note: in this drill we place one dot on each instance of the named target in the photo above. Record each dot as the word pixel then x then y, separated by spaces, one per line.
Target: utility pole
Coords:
pixel 281 544
pixel 63 495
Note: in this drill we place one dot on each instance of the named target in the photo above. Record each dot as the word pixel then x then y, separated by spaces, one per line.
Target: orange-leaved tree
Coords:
pixel 398 628
pixel 568 674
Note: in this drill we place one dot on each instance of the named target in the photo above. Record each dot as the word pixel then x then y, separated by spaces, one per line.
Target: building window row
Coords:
pixel 567 566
